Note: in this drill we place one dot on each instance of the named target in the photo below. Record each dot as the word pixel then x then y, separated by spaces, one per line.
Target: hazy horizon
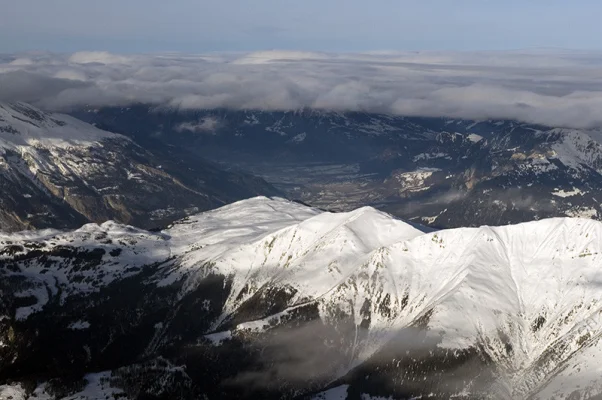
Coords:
pixel 318 25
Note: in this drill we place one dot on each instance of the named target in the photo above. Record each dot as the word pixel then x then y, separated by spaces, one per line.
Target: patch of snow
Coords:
pixel 567 193
pixel 577 148
pixel 429 220
pixel 414 181
pixel 429 156
pixel 99 387
pixel 13 392
pixel 299 138
pixel 41 295
pixel 132 175
pixel 474 138
pixel 251 120
pixel 279 127
pixel 79 325
pixel 582 212
pixel 219 337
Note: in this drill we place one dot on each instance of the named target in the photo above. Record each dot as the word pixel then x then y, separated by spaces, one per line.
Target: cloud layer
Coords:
pixel 556 88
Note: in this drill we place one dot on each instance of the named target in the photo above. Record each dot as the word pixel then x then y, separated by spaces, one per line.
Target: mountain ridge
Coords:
pixel 514 307
pixel 57 171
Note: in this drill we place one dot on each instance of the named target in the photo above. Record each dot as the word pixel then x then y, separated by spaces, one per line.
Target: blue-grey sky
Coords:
pixel 326 25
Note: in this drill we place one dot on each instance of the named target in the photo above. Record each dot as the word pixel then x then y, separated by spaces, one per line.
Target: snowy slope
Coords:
pixel 500 282
pixel 526 299
pixel 24 125
pixel 111 252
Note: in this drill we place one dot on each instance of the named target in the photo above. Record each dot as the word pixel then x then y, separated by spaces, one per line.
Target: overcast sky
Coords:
pixel 323 25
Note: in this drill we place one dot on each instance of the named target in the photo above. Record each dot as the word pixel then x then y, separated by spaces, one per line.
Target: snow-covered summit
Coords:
pixel 531 287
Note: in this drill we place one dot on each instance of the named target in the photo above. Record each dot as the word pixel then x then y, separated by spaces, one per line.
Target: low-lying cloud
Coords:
pixel 205 125
pixel 556 88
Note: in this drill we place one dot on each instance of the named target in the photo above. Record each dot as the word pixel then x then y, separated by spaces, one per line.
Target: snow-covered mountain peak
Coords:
pixel 522 300
pixel 523 287
pixel 238 222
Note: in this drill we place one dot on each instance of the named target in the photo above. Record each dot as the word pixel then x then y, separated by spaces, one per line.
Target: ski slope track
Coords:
pixel 521 302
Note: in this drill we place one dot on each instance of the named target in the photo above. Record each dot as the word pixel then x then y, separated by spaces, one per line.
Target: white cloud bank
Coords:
pixel 556 88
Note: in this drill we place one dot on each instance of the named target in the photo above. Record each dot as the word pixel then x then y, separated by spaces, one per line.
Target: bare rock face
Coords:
pixel 56 171
pixel 270 299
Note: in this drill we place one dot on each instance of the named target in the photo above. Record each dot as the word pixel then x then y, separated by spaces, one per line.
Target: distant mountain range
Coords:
pixel 270 299
pixel 59 172
pixel 438 172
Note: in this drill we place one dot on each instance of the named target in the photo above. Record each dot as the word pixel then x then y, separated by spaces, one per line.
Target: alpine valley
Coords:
pixel 434 171
pixel 267 298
